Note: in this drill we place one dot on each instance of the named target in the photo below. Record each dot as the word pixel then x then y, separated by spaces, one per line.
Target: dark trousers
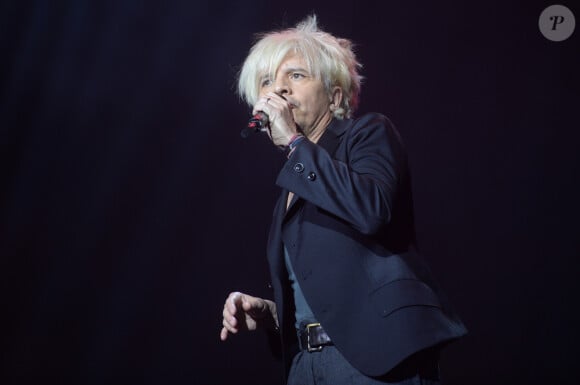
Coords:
pixel 328 367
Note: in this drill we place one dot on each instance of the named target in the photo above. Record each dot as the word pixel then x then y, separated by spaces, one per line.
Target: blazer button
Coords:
pixel 298 167
pixel 311 176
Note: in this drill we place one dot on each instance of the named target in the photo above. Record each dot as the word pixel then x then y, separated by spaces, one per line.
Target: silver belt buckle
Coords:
pixel 312 348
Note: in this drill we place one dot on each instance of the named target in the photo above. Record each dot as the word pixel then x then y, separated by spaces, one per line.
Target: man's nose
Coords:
pixel 282 88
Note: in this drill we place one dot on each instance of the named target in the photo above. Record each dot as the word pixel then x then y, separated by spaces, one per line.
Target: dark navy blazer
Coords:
pixel 349 233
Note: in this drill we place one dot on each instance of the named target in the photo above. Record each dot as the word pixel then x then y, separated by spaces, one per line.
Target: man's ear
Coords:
pixel 335 98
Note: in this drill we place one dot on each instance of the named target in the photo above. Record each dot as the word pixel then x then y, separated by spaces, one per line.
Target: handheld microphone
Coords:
pixel 257 123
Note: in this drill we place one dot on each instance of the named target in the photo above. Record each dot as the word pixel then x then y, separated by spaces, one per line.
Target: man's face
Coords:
pixel 306 95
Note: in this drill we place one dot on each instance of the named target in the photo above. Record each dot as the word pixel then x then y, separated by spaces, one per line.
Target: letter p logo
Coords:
pixel 557 20
pixel 557 23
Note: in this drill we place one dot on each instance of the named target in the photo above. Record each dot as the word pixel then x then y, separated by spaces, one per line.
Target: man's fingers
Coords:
pixel 242 312
pixel 234 301
pixel 227 314
pixel 254 306
pixel 224 334
pixel 250 304
pixel 229 326
pixel 243 301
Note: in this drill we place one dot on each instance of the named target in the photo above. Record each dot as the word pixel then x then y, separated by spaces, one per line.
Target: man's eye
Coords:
pixel 266 82
pixel 296 75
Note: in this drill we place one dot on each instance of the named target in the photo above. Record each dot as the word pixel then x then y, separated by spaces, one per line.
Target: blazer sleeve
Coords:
pixel 361 187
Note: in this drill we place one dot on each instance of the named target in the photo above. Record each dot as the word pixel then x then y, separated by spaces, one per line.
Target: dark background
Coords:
pixel 130 207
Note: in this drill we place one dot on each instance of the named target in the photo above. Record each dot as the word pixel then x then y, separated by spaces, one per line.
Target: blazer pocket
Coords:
pixel 403 293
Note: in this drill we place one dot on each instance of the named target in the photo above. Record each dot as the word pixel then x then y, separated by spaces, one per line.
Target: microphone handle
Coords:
pixel 256 124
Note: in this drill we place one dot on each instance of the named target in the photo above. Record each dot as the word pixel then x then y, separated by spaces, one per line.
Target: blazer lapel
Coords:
pixel 329 140
pixel 332 136
pixel 275 237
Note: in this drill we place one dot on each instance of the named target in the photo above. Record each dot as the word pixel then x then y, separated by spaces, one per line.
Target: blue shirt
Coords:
pixel 303 312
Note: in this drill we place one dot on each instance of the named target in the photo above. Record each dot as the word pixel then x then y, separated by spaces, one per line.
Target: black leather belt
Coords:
pixel 313 338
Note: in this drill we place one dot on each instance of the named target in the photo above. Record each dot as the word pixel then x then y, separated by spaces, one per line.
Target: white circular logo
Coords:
pixel 557 23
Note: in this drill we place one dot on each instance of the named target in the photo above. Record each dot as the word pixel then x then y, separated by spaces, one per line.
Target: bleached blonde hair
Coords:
pixel 328 58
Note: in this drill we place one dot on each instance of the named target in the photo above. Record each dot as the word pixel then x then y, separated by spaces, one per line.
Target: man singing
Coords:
pixel 353 302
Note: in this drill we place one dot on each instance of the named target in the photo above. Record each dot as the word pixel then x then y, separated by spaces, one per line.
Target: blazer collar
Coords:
pixel 331 136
